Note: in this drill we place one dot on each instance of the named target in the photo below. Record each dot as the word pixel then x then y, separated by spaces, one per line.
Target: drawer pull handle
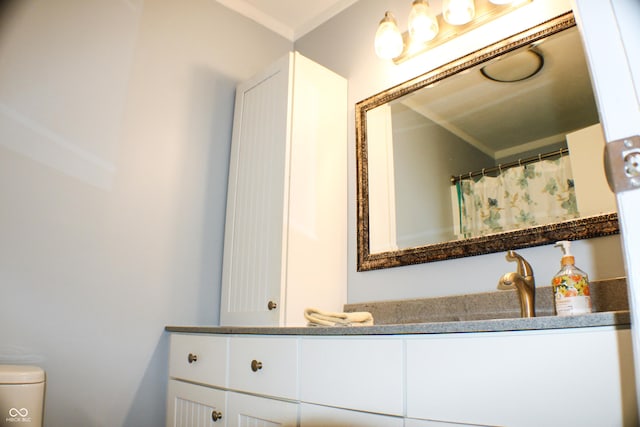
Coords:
pixel 216 415
pixel 256 366
pixel 272 305
pixel 192 358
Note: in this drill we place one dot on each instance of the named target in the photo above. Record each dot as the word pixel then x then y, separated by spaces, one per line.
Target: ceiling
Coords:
pixel 505 119
pixel 290 18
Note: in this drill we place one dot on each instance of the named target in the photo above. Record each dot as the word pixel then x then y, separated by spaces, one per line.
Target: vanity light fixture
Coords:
pixel 458 12
pixel 427 30
pixel 388 40
pixel 423 25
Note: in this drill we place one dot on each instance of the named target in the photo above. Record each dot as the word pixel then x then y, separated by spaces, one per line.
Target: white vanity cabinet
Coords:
pixel 245 410
pixel 286 222
pixel 197 378
pixel 360 373
pixel 208 375
pixel 582 377
pixel 264 365
pixel 570 377
pixel 195 406
pixel 192 405
pixel 326 416
pixel 199 358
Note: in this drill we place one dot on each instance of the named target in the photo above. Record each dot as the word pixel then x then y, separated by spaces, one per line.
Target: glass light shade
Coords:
pixel 502 1
pixel 458 12
pixel 423 25
pixel 388 41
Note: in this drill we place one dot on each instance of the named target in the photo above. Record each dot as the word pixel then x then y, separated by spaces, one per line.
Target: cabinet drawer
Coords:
pixel 195 405
pixel 353 373
pixel 199 358
pixel 264 365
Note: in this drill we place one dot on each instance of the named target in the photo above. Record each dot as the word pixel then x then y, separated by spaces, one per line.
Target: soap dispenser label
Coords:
pixel 572 295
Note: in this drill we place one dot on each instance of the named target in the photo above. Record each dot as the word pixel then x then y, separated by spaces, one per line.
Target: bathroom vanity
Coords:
pixel 542 371
pixel 574 371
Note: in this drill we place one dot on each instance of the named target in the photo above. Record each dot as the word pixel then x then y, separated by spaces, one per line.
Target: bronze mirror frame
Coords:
pixel 582 228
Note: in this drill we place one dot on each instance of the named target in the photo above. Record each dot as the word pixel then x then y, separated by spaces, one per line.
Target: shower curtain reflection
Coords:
pixel 522 196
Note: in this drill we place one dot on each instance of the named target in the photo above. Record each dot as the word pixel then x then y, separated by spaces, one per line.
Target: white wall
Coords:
pixel 115 127
pixel 345 45
pixel 423 203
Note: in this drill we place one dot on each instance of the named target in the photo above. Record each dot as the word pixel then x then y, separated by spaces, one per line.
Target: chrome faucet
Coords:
pixel 523 281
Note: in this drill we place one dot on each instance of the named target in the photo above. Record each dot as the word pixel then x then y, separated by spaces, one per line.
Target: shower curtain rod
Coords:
pixel 539 157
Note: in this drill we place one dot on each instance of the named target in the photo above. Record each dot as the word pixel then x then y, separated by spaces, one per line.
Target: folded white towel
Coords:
pixel 326 318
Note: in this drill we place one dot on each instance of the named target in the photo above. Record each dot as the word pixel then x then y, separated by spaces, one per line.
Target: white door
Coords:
pixel 195 406
pixel 253 266
pixel 252 411
pixel 611 35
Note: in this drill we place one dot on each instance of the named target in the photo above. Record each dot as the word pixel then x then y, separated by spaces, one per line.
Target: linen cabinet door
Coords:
pixel 252 411
pixel 190 405
pixel 325 416
pixel 252 273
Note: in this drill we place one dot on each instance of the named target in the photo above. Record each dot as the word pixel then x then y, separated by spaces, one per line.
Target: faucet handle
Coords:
pixel 524 268
pixel 508 281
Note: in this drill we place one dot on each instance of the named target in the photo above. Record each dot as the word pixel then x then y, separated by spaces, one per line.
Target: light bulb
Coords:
pixel 388 41
pixel 423 25
pixel 458 12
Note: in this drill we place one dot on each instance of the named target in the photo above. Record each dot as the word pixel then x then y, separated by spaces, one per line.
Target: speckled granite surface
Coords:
pixel 606 295
pixel 618 319
pixel 488 312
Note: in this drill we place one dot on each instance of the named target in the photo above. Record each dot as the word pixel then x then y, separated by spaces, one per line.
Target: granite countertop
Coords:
pixel 619 319
pixel 606 296
pixel 483 312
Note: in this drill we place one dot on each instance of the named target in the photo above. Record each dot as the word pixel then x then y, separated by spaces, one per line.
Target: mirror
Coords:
pixel 424 147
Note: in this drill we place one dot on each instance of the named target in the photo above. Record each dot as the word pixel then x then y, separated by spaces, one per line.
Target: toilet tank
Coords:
pixel 21 396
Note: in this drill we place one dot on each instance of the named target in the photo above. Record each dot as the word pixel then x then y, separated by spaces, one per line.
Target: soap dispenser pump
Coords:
pixel 571 285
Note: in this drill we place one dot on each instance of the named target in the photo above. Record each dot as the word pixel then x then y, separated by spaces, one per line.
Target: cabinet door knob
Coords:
pixel 255 365
pixel 272 305
pixel 216 415
pixel 192 358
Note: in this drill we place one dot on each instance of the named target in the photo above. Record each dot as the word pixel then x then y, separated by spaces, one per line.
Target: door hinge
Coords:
pixel 622 164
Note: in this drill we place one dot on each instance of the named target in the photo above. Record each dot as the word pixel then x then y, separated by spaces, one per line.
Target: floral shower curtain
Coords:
pixel 523 196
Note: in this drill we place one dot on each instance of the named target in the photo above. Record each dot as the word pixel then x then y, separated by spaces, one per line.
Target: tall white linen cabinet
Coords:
pixel 285 243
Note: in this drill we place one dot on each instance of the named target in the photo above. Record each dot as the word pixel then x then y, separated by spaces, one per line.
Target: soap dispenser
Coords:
pixel 570 286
